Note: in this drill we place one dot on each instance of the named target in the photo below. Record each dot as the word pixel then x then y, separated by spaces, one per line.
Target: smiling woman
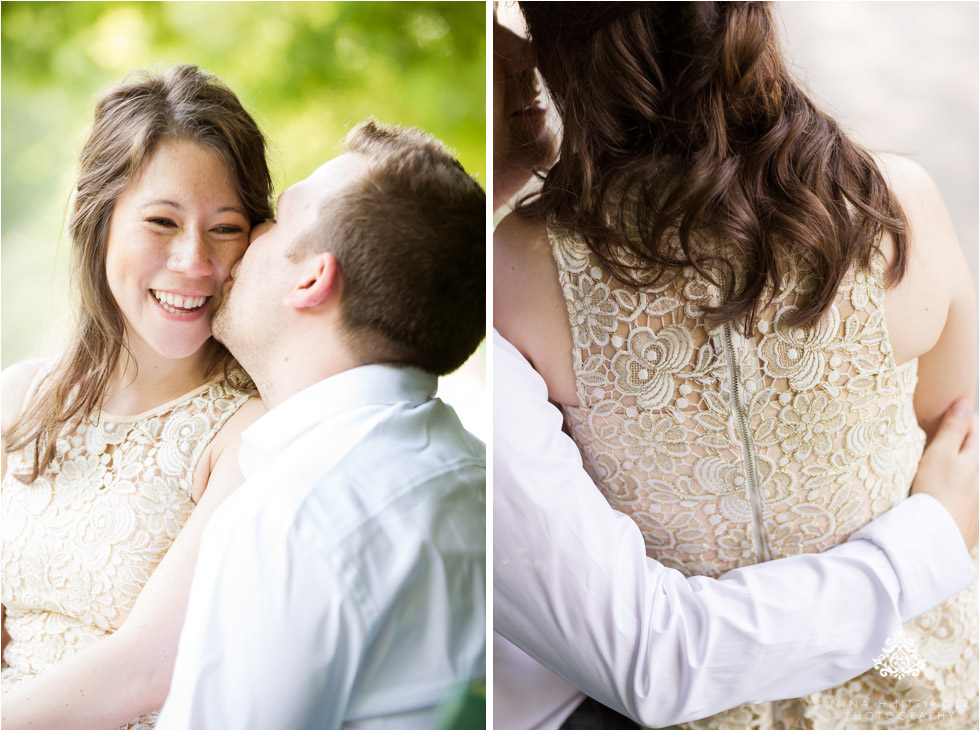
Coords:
pixel 311 71
pixel 174 235
pixel 155 138
pixel 130 434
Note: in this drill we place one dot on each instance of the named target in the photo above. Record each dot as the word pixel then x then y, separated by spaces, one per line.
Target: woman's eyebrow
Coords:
pixel 161 202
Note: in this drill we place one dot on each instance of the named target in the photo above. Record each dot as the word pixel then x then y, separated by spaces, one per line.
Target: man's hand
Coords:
pixel 949 471
pixel 521 138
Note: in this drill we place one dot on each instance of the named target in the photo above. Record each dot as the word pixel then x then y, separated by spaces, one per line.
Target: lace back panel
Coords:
pixel 729 450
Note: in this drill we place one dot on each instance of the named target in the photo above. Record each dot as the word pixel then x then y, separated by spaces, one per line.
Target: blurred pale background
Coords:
pixel 900 77
pixel 306 71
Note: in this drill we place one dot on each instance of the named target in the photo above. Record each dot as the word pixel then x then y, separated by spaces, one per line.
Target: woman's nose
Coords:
pixel 189 256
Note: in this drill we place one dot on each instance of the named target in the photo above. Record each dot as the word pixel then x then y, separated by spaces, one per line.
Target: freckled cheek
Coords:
pixel 230 253
pixel 131 259
pixel 121 272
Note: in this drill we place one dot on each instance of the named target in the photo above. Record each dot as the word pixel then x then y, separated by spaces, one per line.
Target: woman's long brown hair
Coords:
pixel 681 119
pixel 131 121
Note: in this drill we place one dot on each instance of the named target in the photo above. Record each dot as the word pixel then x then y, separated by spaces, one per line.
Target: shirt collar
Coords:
pixel 370 385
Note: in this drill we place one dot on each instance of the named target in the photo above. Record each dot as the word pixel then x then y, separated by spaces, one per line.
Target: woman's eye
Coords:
pixel 165 222
pixel 227 229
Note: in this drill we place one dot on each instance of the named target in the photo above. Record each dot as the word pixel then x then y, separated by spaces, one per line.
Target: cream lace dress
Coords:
pixel 728 451
pixel 80 542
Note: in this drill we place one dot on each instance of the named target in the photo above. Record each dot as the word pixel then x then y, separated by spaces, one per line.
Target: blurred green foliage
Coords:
pixel 306 70
pixel 464 707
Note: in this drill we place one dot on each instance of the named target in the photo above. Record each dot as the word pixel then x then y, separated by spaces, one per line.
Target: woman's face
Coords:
pixel 174 235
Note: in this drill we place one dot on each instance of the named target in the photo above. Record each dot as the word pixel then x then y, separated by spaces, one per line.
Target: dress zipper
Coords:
pixel 761 545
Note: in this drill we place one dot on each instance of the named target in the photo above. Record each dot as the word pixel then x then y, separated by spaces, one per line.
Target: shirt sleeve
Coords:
pixel 574 589
pixel 270 640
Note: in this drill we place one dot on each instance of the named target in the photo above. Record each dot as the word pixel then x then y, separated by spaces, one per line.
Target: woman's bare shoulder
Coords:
pixel 936 277
pixel 520 232
pixel 529 307
pixel 932 310
pixel 525 278
pixel 15 382
pixel 223 449
pixel 932 238
pixel 247 413
pixel 521 255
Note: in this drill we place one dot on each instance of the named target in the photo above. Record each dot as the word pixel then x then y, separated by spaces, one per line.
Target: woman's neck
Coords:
pixel 144 379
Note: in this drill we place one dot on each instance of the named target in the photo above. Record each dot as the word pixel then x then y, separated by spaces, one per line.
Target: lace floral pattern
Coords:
pixel 81 541
pixel 832 443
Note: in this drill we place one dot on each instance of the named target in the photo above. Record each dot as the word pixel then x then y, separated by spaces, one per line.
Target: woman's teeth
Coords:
pixel 176 303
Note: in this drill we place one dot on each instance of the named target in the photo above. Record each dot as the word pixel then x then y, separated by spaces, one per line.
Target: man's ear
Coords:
pixel 321 281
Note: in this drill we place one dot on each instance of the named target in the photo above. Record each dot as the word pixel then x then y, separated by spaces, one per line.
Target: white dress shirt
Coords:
pixel 574 589
pixel 344 583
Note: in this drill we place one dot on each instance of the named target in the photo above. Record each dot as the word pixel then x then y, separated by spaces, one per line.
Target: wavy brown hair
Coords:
pixel 132 120
pixel 681 119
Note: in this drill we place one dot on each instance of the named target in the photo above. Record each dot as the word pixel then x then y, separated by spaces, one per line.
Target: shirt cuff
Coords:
pixel 925 547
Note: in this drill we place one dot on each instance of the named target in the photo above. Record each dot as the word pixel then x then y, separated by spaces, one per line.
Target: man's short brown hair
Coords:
pixel 409 237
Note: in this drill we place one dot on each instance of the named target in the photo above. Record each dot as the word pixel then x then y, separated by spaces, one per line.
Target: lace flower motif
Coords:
pixel 593 312
pixel 81 475
pixel 737 544
pixel 799 354
pixel 807 426
pixel 699 294
pixel 570 255
pixel 101 434
pixel 654 443
pixel 165 508
pixel 178 441
pixel 784 539
pixel 648 365
pixel 864 290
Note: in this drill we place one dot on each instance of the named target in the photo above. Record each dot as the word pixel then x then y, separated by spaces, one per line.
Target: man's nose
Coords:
pixel 189 255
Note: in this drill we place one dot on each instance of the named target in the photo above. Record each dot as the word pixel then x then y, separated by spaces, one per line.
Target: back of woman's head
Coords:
pixel 681 119
pixel 132 120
